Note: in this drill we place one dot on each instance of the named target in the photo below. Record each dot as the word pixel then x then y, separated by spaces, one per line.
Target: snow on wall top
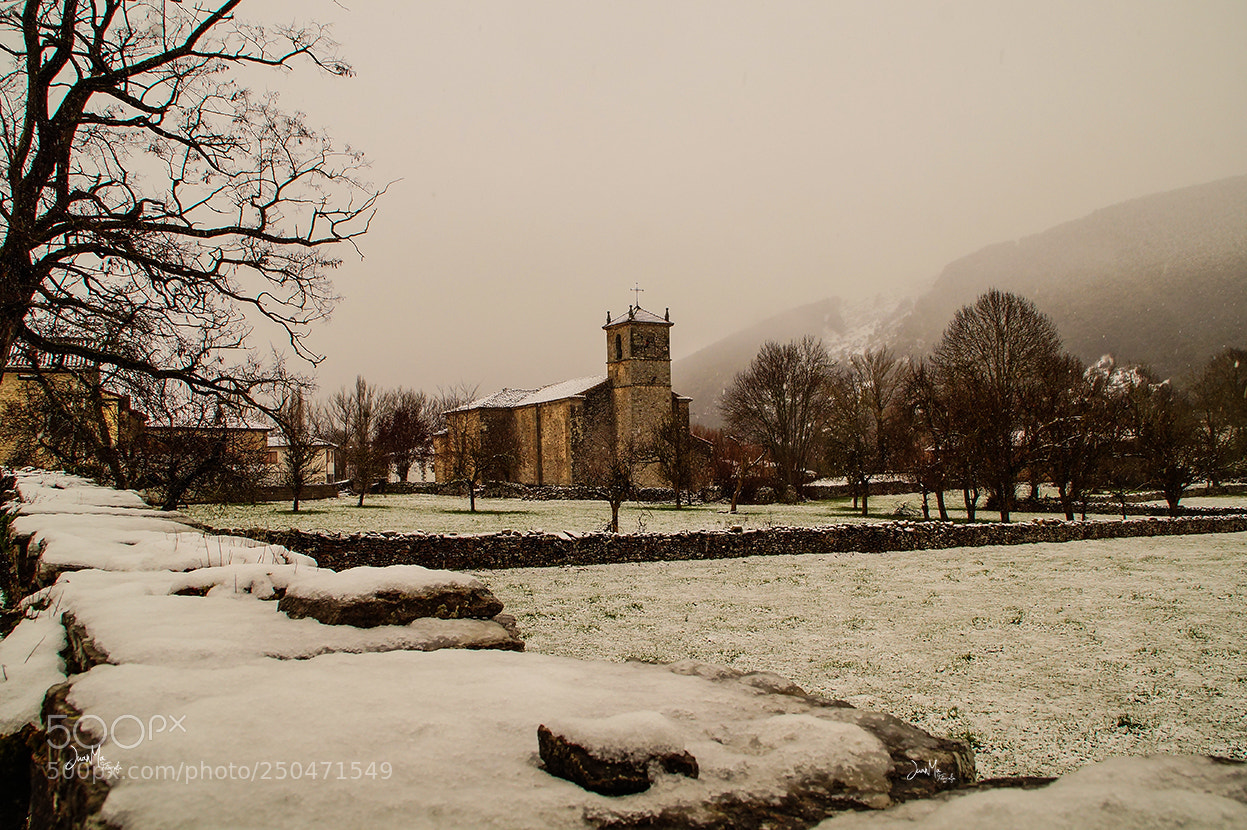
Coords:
pixel 362 582
pixel 86 526
pixel 630 735
pixel 139 618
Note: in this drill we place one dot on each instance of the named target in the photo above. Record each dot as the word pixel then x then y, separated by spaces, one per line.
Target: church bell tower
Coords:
pixel 638 363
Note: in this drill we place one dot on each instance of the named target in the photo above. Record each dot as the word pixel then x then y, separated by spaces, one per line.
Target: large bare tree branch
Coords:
pixel 148 197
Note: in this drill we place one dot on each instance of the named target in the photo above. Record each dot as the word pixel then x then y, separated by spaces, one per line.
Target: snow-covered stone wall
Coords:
pixel 528 550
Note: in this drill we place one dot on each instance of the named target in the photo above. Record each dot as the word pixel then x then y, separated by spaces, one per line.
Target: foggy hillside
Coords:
pixel 846 328
pixel 1160 280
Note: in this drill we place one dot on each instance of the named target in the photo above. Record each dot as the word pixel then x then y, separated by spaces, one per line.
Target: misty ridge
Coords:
pixel 1160 280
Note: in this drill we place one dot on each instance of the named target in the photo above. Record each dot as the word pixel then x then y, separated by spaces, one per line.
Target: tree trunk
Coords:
pixel 865 498
pixel 614 517
pixel 1173 495
pixel 939 502
pixel 471 495
pixel 740 485
pixel 1067 500
pixel 926 505
pixel 971 503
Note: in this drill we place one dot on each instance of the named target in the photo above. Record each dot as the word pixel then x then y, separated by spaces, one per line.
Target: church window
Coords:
pixel 618 347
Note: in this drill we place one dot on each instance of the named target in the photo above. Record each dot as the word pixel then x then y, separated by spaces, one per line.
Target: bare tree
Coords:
pixel 353 418
pixel 1086 428
pixel 733 462
pixel 297 424
pixel 1219 396
pixel 782 403
pixel 930 445
pixel 994 354
pixel 862 434
pixel 406 431
pixel 451 398
pixel 199 446
pixel 155 212
pixel 671 450
pixel 613 468
pixel 478 450
pixel 1166 433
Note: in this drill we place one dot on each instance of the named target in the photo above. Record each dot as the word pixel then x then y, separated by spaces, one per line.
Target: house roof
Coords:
pixel 276 439
pixel 514 398
pixel 24 357
pixel 636 314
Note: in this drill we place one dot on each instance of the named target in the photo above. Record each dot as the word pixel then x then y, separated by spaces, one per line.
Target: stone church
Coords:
pixel 563 433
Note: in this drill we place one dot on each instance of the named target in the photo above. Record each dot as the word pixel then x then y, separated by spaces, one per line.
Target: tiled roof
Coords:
pixel 513 398
pixel 24 357
pixel 636 314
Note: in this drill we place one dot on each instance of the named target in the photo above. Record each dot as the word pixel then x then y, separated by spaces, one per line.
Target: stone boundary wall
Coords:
pixel 529 550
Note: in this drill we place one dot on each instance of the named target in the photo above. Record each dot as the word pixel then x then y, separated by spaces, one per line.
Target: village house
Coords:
pixel 54 410
pixel 564 433
pixel 326 466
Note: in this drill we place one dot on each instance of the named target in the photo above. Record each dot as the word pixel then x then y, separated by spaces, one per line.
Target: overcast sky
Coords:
pixel 736 159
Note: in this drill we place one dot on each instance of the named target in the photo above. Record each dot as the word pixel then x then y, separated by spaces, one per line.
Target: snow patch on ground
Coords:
pixel 1045 657
pixel 1115 794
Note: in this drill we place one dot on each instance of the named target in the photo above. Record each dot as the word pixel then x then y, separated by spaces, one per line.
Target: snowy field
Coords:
pixel 1045 657
pixel 449 514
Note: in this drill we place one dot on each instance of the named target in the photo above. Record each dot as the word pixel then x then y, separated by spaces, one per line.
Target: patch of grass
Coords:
pixel 482 512
pixel 967 736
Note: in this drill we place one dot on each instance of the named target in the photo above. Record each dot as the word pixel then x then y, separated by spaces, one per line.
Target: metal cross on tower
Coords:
pixel 638 290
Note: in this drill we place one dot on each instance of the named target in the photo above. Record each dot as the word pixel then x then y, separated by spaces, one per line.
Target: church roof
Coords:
pixel 636 314
pixel 513 398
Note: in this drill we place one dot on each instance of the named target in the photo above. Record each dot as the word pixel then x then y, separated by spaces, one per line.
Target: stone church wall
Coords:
pixel 526 468
pixel 556 441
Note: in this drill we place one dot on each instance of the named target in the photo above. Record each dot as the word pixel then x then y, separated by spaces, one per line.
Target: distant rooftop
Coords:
pixel 512 398
pixel 23 356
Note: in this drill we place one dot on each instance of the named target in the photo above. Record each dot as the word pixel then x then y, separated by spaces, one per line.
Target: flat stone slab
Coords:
pixel 396 595
pixel 619 755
